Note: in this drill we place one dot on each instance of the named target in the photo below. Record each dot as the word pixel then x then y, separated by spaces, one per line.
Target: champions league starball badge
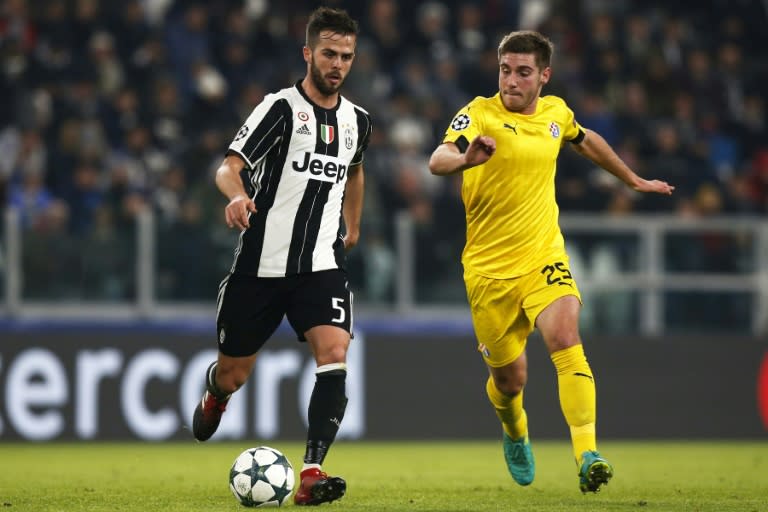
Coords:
pixel 460 122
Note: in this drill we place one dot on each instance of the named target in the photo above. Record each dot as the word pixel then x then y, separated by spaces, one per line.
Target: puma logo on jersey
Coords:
pixel 513 128
pixel 322 167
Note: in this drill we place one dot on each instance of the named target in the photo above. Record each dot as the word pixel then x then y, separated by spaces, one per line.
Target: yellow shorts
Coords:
pixel 504 311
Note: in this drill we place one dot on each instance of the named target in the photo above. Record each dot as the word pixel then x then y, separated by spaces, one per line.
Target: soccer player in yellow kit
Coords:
pixel 515 265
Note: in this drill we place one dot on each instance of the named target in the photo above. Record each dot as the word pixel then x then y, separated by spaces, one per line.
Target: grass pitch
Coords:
pixel 392 476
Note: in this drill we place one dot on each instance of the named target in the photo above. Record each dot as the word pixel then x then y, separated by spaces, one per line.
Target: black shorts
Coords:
pixel 250 309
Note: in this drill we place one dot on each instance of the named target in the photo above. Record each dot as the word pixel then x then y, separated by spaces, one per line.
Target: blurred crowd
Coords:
pixel 114 108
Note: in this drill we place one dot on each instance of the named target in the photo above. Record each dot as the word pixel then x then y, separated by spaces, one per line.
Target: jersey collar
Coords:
pixel 315 105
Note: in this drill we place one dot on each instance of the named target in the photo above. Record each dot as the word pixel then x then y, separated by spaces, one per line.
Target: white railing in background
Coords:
pixel 12 270
pixel 649 279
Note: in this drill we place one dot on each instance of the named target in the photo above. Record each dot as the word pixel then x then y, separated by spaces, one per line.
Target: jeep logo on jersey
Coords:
pixel 326 133
pixel 322 167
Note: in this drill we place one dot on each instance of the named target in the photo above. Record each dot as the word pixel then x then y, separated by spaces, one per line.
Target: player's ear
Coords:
pixel 545 74
pixel 307 51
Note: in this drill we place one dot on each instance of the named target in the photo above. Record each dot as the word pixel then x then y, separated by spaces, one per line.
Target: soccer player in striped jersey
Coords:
pixel 515 264
pixel 293 176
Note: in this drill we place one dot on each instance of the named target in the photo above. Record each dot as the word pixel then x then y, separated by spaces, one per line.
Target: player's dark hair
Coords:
pixel 329 18
pixel 528 41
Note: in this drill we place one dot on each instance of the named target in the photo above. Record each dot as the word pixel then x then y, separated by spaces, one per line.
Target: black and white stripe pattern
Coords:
pixel 298 155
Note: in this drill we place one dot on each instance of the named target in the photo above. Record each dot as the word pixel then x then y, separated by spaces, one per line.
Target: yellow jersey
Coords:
pixel 512 215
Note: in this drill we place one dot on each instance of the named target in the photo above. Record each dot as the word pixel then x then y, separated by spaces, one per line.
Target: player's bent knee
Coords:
pixel 509 386
pixel 329 344
pixel 562 342
pixel 335 354
pixel 230 379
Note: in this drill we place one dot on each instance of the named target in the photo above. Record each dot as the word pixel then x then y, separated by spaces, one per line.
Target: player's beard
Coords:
pixel 325 88
pixel 522 102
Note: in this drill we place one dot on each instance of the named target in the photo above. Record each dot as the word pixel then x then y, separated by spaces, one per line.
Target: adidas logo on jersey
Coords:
pixel 303 130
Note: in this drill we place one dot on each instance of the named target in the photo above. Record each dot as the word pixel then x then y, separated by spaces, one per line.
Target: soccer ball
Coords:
pixel 261 477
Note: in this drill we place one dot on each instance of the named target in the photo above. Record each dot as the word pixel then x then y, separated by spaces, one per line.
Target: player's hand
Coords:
pixel 480 150
pixel 657 186
pixel 350 240
pixel 237 211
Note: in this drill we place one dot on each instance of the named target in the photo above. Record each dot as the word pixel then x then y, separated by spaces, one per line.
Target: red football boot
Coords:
pixel 317 487
pixel 208 416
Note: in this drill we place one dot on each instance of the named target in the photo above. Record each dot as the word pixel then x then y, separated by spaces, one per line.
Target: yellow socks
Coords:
pixel 509 410
pixel 577 397
pixel 577 400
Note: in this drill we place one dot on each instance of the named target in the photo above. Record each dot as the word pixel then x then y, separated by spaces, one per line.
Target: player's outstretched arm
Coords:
pixel 595 147
pixel 447 159
pixel 231 185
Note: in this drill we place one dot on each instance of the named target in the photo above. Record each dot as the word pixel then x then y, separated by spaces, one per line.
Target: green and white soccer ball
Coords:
pixel 261 477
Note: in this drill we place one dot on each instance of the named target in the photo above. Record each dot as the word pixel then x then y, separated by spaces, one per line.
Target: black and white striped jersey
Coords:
pixel 297 155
